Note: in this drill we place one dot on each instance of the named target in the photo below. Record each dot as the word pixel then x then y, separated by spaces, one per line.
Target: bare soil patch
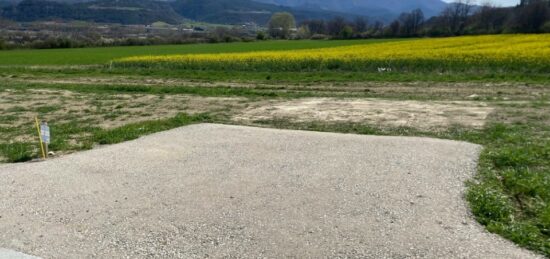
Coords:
pixel 422 115
pixel 18 109
pixel 109 110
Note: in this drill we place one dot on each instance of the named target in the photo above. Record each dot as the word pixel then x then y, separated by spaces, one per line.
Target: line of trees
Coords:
pixel 531 16
pixel 459 18
pixel 60 39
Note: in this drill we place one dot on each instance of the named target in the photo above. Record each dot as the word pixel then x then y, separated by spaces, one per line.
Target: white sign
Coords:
pixel 45 132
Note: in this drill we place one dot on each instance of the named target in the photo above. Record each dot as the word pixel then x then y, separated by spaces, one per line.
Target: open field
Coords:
pixel 526 53
pixel 96 56
pixel 505 111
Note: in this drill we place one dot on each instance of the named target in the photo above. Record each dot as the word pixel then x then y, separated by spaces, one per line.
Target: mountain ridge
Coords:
pixel 212 11
pixel 149 11
pixel 395 7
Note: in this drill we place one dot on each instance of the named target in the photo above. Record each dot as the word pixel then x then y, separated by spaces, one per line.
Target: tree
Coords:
pixel 336 26
pixel 417 21
pixel 490 19
pixel 456 15
pixel 377 29
pixel 221 34
pixel 360 25
pixel 347 32
pixel 394 28
pixel 532 15
pixel 281 25
pixel 316 26
pixel 411 23
pixel 303 32
pixel 261 36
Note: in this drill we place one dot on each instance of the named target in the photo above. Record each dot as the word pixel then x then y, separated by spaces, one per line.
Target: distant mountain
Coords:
pixel 149 11
pixel 5 3
pixel 365 7
pixel 103 11
pixel 241 11
pixel 226 11
pixel 212 11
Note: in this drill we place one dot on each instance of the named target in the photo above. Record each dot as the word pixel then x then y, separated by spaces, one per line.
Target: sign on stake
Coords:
pixel 44 135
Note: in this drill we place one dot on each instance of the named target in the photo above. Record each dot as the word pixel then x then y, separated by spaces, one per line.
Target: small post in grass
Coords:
pixel 45 130
pixel 42 129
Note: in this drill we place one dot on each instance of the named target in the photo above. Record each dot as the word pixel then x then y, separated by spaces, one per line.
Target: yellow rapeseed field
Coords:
pixel 504 51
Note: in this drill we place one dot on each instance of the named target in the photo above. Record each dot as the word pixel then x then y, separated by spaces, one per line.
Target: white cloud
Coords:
pixel 496 2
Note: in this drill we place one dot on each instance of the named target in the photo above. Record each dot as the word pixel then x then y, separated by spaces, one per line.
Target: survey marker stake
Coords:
pixel 40 137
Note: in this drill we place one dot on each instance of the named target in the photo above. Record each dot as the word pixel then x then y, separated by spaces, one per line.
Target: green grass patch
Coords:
pixel 136 130
pixel 74 136
pixel 17 109
pixel 512 193
pixel 17 152
pixel 5 119
pixel 372 75
pixel 281 77
pixel 47 109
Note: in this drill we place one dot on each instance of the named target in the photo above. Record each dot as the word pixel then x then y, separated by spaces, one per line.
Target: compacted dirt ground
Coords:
pixel 228 191
pixel 424 115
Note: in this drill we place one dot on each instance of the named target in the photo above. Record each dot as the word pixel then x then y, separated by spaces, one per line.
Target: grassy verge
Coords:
pixel 25 151
pixel 280 77
pixel 511 194
pixel 428 91
pixel 336 76
pixel 136 130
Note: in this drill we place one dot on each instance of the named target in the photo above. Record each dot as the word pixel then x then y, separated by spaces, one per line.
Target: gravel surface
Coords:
pixel 228 191
pixel 10 254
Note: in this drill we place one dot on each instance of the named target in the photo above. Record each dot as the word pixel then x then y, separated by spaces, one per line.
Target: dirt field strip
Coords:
pixel 454 90
pixel 423 115
pixel 110 111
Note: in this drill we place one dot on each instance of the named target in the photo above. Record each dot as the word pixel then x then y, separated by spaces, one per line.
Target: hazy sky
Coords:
pixel 496 2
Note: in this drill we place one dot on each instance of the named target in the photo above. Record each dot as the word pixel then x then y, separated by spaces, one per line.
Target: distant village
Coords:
pixel 62 34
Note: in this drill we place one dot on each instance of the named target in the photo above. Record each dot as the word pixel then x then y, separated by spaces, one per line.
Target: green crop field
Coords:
pixel 499 53
pixel 495 93
pixel 94 56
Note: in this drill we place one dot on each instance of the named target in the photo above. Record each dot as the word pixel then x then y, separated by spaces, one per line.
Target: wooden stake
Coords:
pixel 40 137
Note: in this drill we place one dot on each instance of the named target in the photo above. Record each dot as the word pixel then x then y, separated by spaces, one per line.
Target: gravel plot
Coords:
pixel 228 191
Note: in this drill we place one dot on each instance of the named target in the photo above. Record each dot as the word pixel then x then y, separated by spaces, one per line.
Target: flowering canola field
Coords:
pixel 494 52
